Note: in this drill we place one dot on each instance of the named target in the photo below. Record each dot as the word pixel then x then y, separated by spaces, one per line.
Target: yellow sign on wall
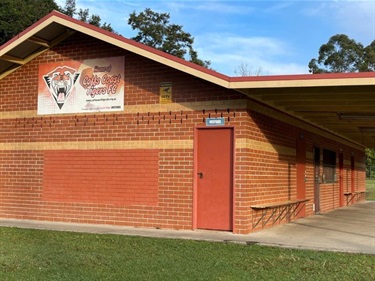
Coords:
pixel 165 92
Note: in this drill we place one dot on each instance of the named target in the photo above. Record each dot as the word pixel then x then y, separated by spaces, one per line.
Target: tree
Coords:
pixel 342 54
pixel 370 163
pixel 244 70
pixel 370 56
pixel 17 15
pixel 84 15
pixel 155 30
pixel 69 8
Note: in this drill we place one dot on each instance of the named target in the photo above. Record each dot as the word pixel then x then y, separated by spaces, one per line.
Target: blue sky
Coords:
pixel 279 37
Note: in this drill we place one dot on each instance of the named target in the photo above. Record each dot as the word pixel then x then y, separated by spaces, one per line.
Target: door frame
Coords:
pixel 317 160
pixel 301 174
pixel 195 171
pixel 341 179
pixel 352 174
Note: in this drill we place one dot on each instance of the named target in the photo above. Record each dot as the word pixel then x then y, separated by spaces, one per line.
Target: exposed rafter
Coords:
pixel 39 41
pixel 42 45
pixel 12 59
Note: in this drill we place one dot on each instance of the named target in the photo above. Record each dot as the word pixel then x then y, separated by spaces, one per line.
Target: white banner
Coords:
pixel 94 85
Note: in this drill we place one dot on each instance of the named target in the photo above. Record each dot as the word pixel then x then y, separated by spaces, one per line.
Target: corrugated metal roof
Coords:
pixel 24 50
pixel 52 31
pixel 6 66
pixel 30 43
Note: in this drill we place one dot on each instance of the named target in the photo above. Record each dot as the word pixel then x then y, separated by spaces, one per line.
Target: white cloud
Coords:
pixel 60 2
pixel 225 50
pixel 353 18
pixel 357 18
pixel 228 51
pixel 279 6
pixel 221 8
pixel 319 9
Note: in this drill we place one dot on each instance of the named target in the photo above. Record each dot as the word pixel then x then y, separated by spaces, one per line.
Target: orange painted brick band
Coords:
pixel 114 177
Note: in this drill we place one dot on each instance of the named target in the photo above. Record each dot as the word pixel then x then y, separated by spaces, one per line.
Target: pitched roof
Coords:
pixel 56 27
pixel 324 100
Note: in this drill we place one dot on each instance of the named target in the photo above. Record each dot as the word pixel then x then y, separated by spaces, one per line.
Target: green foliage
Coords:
pixel 50 255
pixel 155 30
pixel 369 55
pixel 370 157
pixel 370 189
pixel 342 54
pixel 370 162
pixel 69 8
pixel 17 15
pixel 84 15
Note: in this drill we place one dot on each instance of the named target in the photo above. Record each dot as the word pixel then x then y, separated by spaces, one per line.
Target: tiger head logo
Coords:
pixel 60 83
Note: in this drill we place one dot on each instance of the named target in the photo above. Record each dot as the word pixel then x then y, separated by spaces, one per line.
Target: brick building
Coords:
pixel 96 128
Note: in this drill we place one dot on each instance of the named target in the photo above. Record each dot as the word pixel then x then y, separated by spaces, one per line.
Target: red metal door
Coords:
pixel 214 178
pixel 301 174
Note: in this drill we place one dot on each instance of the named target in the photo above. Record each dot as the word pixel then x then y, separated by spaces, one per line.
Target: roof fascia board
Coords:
pixel 29 58
pixel 300 83
pixel 25 35
pixel 28 34
pixel 145 51
pixel 117 40
pixel 289 118
pixel 236 83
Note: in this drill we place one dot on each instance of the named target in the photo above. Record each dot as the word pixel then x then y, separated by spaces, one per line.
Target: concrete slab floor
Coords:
pixel 348 229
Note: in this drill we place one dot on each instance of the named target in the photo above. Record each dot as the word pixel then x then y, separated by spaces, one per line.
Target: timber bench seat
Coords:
pixel 277 211
pixel 350 196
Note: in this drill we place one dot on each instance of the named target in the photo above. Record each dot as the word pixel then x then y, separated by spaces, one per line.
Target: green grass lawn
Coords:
pixel 50 255
pixel 370 188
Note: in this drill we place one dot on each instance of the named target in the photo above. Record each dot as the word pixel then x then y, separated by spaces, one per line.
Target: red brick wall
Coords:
pixel 117 177
pixel 21 177
pixel 51 170
pixel 270 177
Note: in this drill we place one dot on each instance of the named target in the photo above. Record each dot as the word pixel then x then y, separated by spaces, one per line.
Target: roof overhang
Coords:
pixel 343 104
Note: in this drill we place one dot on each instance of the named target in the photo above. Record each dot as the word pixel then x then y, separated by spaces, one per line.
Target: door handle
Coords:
pixel 200 175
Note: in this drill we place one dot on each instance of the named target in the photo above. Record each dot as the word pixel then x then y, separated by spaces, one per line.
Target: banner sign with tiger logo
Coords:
pixel 94 85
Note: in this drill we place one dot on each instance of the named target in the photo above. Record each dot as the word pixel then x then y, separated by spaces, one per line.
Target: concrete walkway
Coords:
pixel 349 229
